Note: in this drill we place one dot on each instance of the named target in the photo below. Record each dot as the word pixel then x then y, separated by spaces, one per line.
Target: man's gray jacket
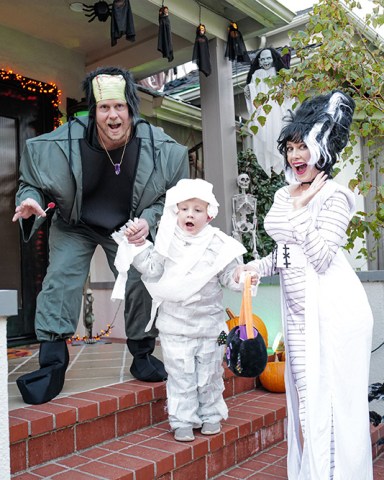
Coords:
pixel 51 170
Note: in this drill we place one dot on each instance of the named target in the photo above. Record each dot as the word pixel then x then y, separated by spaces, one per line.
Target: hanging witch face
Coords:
pixel 201 29
pixel 164 11
pixel 265 59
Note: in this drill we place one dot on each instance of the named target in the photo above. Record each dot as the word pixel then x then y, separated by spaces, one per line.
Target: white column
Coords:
pixel 219 132
pixel 8 306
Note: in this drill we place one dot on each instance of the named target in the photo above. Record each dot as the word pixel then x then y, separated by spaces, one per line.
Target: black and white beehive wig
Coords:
pixel 323 124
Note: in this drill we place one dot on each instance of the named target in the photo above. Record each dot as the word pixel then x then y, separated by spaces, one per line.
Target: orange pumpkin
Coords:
pixel 272 378
pixel 257 323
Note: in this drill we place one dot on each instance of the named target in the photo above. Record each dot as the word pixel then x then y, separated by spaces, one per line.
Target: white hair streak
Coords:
pixel 319 147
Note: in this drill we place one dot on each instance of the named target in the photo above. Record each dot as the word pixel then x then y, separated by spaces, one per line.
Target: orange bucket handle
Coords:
pixel 246 317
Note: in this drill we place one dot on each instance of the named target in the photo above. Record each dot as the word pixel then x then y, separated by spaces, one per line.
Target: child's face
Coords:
pixel 192 216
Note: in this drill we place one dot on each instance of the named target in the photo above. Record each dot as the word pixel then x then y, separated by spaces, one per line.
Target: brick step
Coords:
pixel 41 433
pixel 256 422
pixel 271 464
pixel 250 446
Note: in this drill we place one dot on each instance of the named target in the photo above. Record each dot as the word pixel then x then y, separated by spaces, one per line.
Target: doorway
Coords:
pixel 27 108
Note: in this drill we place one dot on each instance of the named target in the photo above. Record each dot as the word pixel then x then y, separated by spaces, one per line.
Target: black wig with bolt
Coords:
pixel 323 124
pixel 130 89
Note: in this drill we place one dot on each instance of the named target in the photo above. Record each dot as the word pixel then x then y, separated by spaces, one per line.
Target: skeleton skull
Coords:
pixel 243 180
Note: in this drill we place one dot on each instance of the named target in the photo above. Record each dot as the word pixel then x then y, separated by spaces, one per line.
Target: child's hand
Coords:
pixel 237 275
pixel 137 231
pixel 255 278
pixel 131 230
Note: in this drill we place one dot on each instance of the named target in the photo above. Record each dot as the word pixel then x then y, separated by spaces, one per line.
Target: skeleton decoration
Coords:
pixel 244 207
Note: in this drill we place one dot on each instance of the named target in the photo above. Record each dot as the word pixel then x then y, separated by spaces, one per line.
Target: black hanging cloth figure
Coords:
pixel 122 21
pixel 236 49
pixel 201 51
pixel 164 39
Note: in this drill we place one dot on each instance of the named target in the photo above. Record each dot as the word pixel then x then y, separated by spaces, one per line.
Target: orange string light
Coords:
pixel 49 89
pixel 97 337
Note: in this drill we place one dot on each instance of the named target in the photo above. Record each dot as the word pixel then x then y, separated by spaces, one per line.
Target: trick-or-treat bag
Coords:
pixel 246 352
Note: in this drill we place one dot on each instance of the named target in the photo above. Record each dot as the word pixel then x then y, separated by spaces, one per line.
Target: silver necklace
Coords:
pixel 117 166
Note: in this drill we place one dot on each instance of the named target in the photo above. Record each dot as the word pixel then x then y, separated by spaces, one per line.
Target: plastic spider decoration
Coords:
pixel 99 10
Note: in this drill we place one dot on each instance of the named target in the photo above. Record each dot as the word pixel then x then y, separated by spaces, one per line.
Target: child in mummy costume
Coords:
pixel 326 316
pixel 184 272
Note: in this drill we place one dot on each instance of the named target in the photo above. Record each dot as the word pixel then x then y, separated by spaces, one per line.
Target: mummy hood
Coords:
pixel 185 189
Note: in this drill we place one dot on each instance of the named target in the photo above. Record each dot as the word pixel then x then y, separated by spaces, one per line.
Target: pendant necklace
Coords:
pixel 117 166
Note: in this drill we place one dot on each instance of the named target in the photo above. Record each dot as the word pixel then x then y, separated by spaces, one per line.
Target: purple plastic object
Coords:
pixel 243 332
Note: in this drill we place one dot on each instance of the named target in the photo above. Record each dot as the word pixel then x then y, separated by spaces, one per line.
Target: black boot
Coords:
pixel 44 384
pixel 145 366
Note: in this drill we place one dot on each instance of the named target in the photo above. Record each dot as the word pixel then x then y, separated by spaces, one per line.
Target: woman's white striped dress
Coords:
pixel 299 236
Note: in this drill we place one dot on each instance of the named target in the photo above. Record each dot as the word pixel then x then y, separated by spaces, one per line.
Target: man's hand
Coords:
pixel 27 208
pixel 137 232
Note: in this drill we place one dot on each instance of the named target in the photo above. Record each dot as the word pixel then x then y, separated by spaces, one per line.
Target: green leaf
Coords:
pixel 261 119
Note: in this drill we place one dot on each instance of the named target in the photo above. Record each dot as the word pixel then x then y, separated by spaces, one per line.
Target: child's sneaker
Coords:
pixel 211 428
pixel 184 434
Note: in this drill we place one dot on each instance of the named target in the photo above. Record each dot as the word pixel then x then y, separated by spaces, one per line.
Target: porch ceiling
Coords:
pixel 54 22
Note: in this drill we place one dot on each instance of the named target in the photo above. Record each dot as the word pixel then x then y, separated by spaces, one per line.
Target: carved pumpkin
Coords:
pixel 272 378
pixel 257 323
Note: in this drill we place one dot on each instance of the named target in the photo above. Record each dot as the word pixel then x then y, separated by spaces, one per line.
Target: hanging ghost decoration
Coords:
pixel 164 39
pixel 122 21
pixel 201 51
pixel 235 45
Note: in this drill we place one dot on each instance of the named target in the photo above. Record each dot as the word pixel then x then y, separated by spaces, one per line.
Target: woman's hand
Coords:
pixel 246 268
pixel 307 195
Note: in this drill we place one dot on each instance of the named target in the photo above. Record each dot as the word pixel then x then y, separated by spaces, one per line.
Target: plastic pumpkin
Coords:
pixel 272 378
pixel 257 323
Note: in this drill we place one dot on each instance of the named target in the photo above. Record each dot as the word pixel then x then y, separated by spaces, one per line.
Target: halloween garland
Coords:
pixel 122 23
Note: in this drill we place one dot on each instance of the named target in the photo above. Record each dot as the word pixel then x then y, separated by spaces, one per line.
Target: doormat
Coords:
pixel 18 352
